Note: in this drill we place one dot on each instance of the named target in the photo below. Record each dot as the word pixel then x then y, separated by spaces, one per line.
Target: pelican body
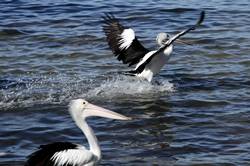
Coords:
pixel 157 62
pixel 70 154
pixel 125 45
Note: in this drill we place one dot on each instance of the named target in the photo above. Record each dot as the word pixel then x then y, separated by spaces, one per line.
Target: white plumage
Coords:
pixel 127 37
pixel 74 157
pixel 155 65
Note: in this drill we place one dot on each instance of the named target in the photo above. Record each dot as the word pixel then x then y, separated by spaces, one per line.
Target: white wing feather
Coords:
pixel 127 37
pixel 75 157
pixel 148 55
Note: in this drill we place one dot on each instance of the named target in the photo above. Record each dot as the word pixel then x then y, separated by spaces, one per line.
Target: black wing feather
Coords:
pixel 42 156
pixel 113 29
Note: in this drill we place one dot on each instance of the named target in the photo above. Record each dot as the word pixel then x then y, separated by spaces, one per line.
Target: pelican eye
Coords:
pixel 164 41
pixel 84 103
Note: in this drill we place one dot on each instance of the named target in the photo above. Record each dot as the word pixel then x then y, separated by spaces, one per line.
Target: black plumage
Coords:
pixel 42 157
pixel 113 30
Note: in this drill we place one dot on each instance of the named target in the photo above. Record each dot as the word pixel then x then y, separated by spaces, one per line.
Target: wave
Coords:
pixel 178 10
pixel 11 32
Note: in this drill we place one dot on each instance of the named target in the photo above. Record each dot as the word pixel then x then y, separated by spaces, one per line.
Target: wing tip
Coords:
pixel 108 18
pixel 202 17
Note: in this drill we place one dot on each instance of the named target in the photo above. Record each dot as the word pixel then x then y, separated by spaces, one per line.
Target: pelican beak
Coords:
pixel 183 42
pixel 93 110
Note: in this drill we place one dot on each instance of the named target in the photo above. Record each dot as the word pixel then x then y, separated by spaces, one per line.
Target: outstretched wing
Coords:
pixel 123 41
pixel 140 67
pixel 64 153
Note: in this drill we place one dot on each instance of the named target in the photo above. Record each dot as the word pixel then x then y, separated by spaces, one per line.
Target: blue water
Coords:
pixel 52 52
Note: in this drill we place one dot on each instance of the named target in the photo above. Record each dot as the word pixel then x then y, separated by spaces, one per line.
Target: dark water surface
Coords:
pixel 54 51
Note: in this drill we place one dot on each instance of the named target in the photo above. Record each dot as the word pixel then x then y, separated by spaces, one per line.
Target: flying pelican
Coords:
pixel 70 154
pixel 126 47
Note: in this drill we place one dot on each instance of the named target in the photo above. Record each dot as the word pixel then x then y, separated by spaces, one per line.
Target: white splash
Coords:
pixel 129 86
pixel 62 88
pixel 42 90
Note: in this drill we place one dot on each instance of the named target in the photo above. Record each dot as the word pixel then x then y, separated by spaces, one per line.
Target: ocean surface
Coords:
pixel 197 114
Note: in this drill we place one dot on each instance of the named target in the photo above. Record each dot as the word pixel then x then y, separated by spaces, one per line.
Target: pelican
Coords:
pixel 70 154
pixel 125 45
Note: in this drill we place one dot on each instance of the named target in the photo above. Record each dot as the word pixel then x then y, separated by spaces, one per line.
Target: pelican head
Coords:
pixel 162 38
pixel 82 108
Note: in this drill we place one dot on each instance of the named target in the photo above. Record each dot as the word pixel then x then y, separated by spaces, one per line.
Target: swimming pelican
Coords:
pixel 126 47
pixel 70 154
